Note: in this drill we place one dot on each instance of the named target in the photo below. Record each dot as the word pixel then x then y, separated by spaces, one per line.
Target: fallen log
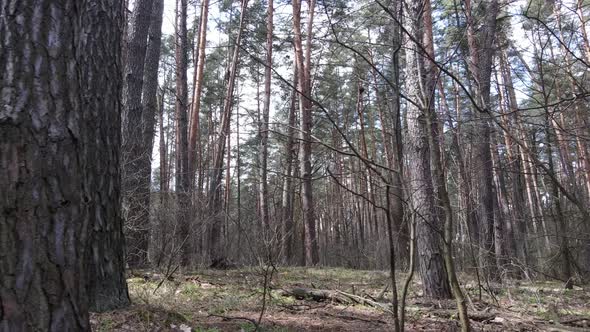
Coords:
pixel 336 296
pixel 318 295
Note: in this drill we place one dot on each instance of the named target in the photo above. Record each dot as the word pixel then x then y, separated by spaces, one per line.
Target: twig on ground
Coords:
pixel 253 321
pixel 166 278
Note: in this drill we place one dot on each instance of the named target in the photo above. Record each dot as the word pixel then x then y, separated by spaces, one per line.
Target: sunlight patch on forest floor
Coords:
pixel 214 300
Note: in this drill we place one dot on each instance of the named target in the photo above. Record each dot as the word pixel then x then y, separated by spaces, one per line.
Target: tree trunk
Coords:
pixel 263 129
pixel 181 98
pixel 428 224
pixel 148 121
pixel 106 281
pixel 195 139
pixel 135 191
pixel 464 191
pixel 438 172
pixel 518 209
pixel 61 237
pixel 393 153
pixel 181 105
pixel 163 149
pixel 287 199
pixel 305 123
pixel 561 229
pixel 480 66
pixel 150 89
pixel 216 250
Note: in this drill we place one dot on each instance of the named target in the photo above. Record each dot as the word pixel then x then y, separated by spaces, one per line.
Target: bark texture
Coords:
pixel 150 93
pixel 135 193
pixel 59 163
pixel 481 53
pixel 428 224
pixel 101 59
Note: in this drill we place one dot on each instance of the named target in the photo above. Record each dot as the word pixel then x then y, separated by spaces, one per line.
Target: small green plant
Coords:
pixel 191 290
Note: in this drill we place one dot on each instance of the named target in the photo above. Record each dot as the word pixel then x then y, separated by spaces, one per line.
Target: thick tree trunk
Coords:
pixel 150 88
pixel 480 66
pixel 428 224
pixel 61 240
pixel 148 115
pixel 107 285
pixel 135 192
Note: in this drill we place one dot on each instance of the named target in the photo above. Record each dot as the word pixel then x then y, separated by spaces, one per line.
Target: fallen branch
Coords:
pixel 234 318
pixel 574 320
pixel 336 296
pixel 168 276
pixel 381 294
pixel 366 301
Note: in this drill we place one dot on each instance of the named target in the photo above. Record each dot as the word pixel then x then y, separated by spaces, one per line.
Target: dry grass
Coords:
pixel 231 300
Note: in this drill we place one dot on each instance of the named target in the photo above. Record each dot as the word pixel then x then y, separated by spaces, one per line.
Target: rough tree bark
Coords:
pixel 101 58
pixel 481 53
pixel 135 191
pixel 150 92
pixel 60 220
pixel 428 224
pixel 181 107
pixel 150 105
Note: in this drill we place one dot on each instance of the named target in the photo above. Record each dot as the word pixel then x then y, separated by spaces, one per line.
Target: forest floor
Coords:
pixel 231 300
